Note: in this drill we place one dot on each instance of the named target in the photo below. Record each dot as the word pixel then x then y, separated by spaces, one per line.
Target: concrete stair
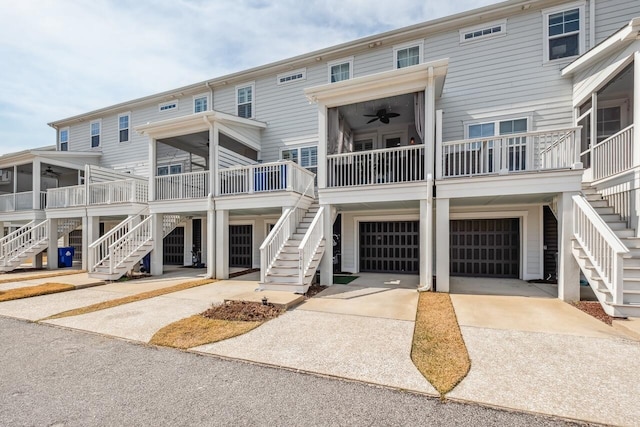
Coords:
pixel 631 263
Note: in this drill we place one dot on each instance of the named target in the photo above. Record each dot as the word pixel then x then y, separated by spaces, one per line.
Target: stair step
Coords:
pixel 604 210
pixel 599 204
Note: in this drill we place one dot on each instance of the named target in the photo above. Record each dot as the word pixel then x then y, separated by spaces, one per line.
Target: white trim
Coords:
pixel 252 85
pixel 205 95
pixel 347 60
pixel 99 122
pixel 66 128
pixel 291 77
pixel 372 218
pixel 408 45
pixel 580 5
pixel 128 114
pixel 168 105
pixel 486 26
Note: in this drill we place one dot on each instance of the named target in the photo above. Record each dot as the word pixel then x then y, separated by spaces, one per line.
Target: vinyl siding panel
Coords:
pixel 611 15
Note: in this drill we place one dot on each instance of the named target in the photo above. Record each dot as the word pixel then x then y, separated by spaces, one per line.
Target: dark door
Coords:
pixel 173 247
pixel 485 247
pixel 75 240
pixel 390 247
pixel 240 245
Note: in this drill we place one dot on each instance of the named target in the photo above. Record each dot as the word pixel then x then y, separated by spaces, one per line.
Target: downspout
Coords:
pixel 208 85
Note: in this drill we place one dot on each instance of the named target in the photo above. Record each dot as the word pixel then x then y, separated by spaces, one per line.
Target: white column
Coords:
pixel 214 155
pixel 209 243
pixel 568 268
pixel 153 168
pixel 438 143
pixel 322 145
pixel 2 229
pixel 15 179
pixel 90 233
pixel 36 183
pixel 635 218
pixel 188 242
pixel 52 249
pixel 442 245
pixel 326 264
pixel 222 244
pixel 429 123
pixel 258 238
pixel 426 243
pixel 157 253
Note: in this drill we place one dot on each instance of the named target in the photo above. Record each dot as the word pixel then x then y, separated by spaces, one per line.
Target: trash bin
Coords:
pixel 146 263
pixel 65 256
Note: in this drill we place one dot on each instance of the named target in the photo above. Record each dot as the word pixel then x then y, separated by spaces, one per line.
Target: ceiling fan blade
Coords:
pixel 372 120
pixel 384 120
pixel 381 113
pixel 370 115
pixel 391 115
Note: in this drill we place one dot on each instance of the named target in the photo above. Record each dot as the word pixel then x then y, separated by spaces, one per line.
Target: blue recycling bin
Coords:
pixel 146 263
pixel 267 180
pixel 65 256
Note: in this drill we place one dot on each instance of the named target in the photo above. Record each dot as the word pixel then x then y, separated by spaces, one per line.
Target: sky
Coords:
pixel 59 58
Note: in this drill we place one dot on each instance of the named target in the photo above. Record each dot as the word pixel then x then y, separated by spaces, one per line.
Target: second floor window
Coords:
pixel 169 170
pixel 307 157
pixel 563 33
pixel 244 101
pixel 407 55
pixel 123 127
pixel 200 104
pixel 340 72
pixel 64 139
pixel 95 134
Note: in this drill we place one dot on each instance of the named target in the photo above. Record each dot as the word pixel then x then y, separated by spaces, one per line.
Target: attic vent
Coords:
pixel 168 106
pixel 492 29
pixel 292 76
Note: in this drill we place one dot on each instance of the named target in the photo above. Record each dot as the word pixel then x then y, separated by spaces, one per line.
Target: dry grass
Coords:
pixel 10 279
pixel 131 298
pixel 438 349
pixel 199 330
pixel 33 291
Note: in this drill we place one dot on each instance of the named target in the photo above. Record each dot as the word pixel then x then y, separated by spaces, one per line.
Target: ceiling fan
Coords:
pixel 50 172
pixel 381 115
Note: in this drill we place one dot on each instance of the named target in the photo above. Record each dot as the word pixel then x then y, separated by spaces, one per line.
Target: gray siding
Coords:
pixel 611 15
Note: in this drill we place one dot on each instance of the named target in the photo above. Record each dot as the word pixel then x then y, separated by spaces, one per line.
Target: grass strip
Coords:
pixel 131 298
pixel 33 291
pixel 10 279
pixel 199 330
pixel 438 349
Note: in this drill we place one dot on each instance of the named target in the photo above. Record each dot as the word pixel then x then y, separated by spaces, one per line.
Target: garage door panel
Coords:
pixel 485 247
pixel 240 246
pixel 389 246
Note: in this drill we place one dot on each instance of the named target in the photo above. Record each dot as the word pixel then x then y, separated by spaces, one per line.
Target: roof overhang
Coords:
pixel 381 85
pixel 194 123
pixel 49 155
pixel 628 34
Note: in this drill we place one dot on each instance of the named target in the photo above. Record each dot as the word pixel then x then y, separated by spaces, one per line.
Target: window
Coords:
pixel 515 147
pixel 293 76
pixel 340 70
pixel 244 101
pixel 64 139
pixel 169 170
pixel 564 32
pixel 407 55
pixel 307 157
pixel 95 134
pixel 123 127
pixel 165 106
pixel 492 29
pixel 200 103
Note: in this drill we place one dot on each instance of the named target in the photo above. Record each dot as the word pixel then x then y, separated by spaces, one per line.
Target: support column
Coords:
pixel 326 263
pixel 426 243
pixel 153 168
pixel 35 176
pixel 322 146
pixel 221 242
pixel 52 249
pixel 157 253
pixel 214 138
pixel 209 243
pixel 442 249
pixel 188 242
pixel 1 230
pixel 90 233
pixel 635 223
pixel 37 260
pixel 568 268
pixel 429 123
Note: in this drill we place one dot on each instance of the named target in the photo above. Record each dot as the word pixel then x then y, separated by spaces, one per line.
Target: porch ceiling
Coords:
pixel 195 143
pixel 376 206
pixel 520 199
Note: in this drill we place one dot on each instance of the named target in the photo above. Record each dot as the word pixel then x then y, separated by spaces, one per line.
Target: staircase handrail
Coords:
pixel 127 237
pixel 15 233
pixel 310 243
pixel 29 237
pixel 591 231
pixel 605 141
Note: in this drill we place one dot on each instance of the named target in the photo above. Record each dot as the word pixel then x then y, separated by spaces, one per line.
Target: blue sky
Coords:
pixel 65 57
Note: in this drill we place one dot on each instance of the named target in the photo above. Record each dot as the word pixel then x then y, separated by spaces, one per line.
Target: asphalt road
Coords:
pixel 56 377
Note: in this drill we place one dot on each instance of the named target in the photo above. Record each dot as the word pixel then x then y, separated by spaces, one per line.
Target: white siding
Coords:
pixel 611 15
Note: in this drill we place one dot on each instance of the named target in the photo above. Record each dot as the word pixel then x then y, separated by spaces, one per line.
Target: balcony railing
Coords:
pixel 20 201
pixel 521 152
pixel 261 178
pixel 613 155
pixel 66 197
pixel 120 191
pixel 375 167
pixel 191 185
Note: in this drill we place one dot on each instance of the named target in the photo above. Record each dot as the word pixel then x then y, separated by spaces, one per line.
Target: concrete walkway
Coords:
pixel 38 277
pixel 543 355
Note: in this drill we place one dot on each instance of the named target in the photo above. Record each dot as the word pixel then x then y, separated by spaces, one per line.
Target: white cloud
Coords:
pixel 65 57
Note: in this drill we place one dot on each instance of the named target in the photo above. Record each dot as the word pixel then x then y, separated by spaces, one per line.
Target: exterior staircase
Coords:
pixel 623 299
pixel 293 264
pixel 122 248
pixel 29 240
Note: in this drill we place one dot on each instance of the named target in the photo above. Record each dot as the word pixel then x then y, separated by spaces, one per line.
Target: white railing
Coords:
pixel 385 166
pixel 20 201
pixel 190 185
pixel 169 223
pixel 310 243
pixel 520 152
pixel 603 248
pixel 266 177
pixel 121 249
pixel 99 250
pixel 120 191
pixel 22 239
pixel 65 197
pixel 280 233
pixel 613 155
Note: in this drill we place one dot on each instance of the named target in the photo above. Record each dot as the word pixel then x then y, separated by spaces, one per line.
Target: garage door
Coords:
pixel 485 247
pixel 173 247
pixel 240 245
pixel 390 247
